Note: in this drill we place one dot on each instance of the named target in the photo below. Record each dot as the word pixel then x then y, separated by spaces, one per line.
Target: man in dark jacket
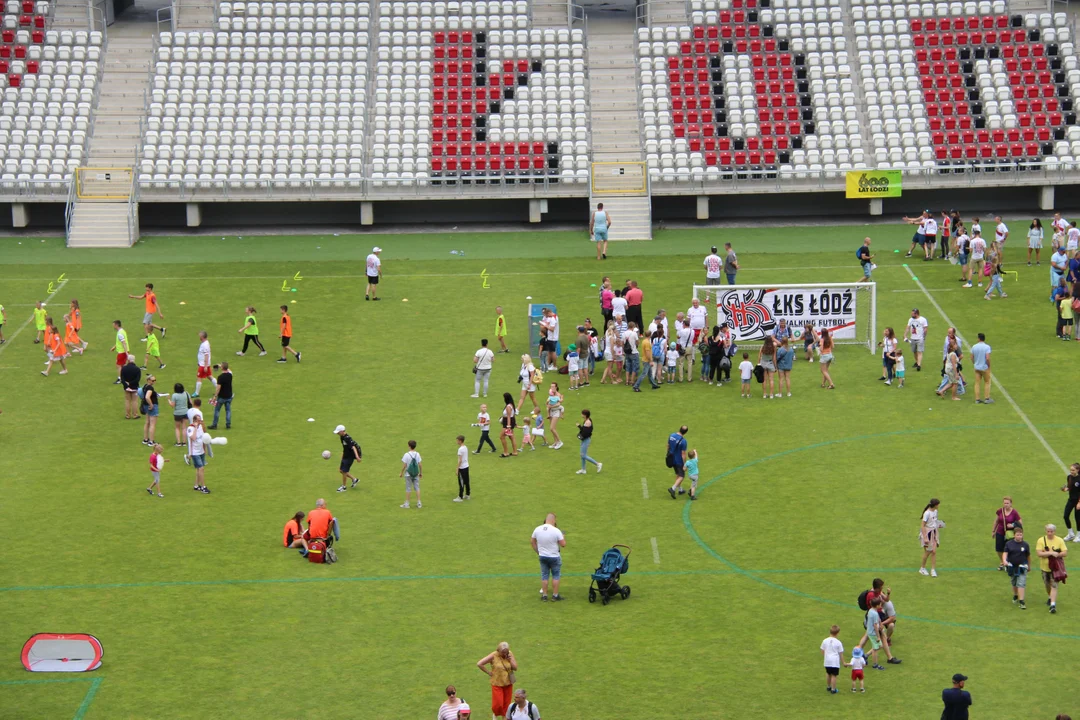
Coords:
pixel 130 375
pixel 956 699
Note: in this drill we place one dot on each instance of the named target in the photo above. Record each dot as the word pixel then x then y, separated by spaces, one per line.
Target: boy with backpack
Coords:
pixel 866 260
pixel 412 470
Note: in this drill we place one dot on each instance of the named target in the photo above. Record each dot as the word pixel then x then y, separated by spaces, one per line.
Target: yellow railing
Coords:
pixel 614 178
pixel 103 183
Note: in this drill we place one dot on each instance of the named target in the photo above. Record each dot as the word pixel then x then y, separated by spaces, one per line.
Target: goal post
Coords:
pixel 847 310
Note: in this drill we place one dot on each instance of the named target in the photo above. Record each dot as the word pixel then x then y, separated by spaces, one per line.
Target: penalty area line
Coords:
pixel 993 378
pixel 655 551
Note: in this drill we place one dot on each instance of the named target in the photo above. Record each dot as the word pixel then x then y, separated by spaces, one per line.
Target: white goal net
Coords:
pixel 848 310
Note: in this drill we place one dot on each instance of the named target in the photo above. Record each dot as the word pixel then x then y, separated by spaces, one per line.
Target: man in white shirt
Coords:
pixel 1072 242
pixel 521 708
pixel 699 319
pixel 684 338
pixel 631 338
pixel 206 370
pixel 412 469
pixel 1001 234
pixel 712 264
pixel 978 258
pixel 482 361
pixel 930 231
pixel 547 542
pixel 463 470
pixel 1060 227
pixel 196 452
pixel 374 274
pixel 915 333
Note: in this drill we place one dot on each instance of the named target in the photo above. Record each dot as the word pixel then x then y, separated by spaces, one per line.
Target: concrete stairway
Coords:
pixel 549 14
pixel 100 224
pixel 70 15
pixel 668 12
pixel 116 135
pixel 194 14
pixel 121 103
pixel 616 133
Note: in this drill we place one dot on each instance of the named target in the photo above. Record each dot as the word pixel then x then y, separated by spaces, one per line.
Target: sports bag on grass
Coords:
pixel 316 552
pixel 330 555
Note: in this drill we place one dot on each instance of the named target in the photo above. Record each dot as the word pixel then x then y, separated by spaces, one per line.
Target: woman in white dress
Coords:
pixel 527 385
pixel 928 536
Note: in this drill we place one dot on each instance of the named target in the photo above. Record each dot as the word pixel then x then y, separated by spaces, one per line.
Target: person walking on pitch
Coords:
pixel 153 350
pixel 251 332
pixel 39 321
pixel 286 336
pixel 151 308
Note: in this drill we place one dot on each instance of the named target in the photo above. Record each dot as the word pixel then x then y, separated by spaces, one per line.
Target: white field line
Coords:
pixel 655 551
pixel 644 488
pixel 997 383
pixel 22 327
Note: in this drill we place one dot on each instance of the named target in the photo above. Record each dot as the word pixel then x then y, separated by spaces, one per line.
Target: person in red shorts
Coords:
pixel 122 349
pixel 858 662
pixel 205 371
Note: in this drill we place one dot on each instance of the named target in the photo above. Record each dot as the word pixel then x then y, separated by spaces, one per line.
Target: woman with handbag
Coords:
pixel 1051 550
pixel 509 422
pixel 503 668
pixel 525 377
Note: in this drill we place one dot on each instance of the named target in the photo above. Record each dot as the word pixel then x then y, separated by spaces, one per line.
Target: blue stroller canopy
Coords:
pixel 612 564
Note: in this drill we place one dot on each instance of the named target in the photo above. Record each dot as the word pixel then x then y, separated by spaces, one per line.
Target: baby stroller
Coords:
pixel 605 581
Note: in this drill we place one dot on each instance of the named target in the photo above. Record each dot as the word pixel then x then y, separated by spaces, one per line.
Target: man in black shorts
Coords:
pixel 350 453
pixel 676 459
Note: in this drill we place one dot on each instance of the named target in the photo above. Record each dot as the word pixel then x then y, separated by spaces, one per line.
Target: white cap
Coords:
pixel 339 429
pixel 376 249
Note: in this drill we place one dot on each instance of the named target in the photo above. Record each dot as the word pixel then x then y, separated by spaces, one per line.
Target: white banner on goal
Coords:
pixel 849 311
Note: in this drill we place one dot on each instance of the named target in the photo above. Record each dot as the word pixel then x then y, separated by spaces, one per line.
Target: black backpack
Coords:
pixel 863 605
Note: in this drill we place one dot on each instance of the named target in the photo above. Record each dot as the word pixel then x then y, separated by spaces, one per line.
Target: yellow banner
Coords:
pixel 873 183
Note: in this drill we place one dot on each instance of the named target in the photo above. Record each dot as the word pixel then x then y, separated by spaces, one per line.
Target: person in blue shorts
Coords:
pixel 676 458
pixel 599 223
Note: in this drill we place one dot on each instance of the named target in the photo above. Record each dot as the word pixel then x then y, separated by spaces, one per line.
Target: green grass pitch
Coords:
pixel 805 500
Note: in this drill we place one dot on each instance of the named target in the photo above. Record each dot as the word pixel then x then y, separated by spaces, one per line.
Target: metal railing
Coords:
pixel 69 209
pixel 166 16
pixel 133 212
pixel 520 186
pixel 802 180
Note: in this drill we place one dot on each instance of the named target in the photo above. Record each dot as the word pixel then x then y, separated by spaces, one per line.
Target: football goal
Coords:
pixel 848 310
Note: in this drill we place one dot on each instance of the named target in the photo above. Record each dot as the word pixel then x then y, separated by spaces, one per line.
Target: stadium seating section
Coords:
pixel 48 79
pixel 277 94
pixel 400 94
pixel 468 91
pixel 757 88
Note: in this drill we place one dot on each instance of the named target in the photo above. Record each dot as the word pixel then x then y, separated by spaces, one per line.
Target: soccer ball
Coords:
pixel 325 454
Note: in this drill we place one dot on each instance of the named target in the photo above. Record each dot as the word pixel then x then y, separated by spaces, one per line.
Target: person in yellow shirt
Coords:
pixel 500 329
pixel 152 307
pixel 1067 315
pixel 39 321
pixel 1047 547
